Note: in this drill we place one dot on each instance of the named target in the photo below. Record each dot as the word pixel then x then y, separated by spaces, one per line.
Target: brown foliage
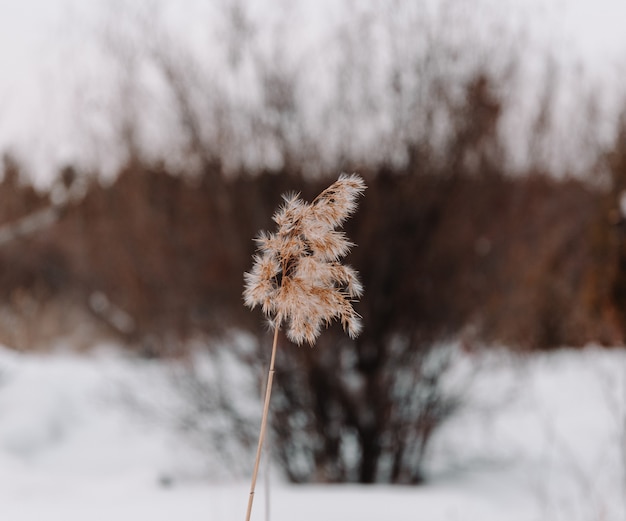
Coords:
pixel 511 260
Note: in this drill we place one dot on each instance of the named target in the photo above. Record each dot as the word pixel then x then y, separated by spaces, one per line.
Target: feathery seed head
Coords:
pixel 296 277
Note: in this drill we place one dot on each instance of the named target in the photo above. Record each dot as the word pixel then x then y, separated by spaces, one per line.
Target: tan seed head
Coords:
pixel 296 277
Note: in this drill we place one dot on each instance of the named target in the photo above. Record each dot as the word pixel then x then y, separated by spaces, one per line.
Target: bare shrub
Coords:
pixel 346 412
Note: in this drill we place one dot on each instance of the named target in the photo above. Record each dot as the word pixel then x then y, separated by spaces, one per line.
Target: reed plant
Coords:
pixel 297 278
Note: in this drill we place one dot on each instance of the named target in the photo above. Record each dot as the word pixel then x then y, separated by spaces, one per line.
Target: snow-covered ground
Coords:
pixel 539 438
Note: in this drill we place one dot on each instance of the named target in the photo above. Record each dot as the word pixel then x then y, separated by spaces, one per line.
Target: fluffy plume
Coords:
pixel 297 278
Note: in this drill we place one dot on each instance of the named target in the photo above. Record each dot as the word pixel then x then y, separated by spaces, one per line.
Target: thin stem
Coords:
pixel 266 407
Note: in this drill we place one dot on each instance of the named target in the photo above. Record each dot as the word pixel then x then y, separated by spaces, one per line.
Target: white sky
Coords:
pixel 597 26
pixel 39 37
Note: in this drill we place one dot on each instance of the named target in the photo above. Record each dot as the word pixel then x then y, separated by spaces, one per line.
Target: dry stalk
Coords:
pixel 266 407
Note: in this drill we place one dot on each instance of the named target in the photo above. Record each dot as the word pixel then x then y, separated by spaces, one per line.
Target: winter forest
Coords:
pixel 143 147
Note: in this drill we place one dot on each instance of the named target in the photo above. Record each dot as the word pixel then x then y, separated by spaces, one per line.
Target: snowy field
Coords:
pixel 538 439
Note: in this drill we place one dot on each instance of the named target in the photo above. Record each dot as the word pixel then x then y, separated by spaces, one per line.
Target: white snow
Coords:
pixel 541 437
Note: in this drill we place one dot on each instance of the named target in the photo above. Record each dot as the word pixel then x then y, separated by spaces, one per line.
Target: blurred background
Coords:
pixel 144 144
